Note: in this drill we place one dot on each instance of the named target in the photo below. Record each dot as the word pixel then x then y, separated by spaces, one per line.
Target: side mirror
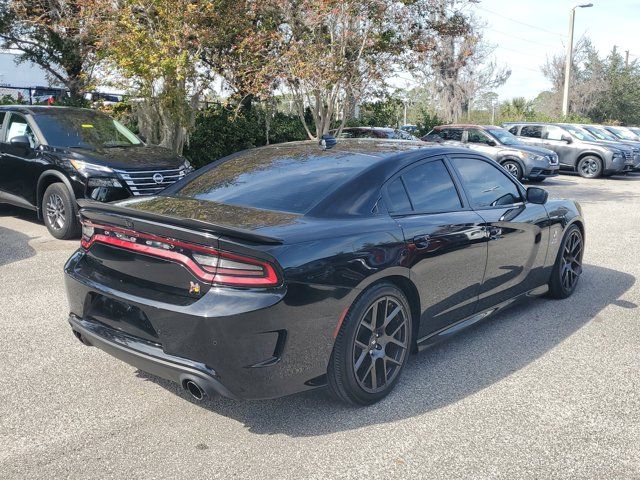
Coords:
pixel 537 195
pixel 143 138
pixel 491 143
pixel 567 138
pixel 21 141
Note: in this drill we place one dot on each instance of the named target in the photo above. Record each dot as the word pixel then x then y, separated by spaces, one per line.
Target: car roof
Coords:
pixel 35 109
pixel 381 129
pixel 382 157
pixel 466 125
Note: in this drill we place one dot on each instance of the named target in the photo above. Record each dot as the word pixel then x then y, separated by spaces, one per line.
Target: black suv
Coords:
pixel 51 156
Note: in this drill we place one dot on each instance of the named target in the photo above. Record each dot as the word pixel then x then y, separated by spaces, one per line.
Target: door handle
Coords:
pixel 421 241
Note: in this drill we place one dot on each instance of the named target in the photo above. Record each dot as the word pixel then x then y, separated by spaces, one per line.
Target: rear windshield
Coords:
pixel 84 129
pixel 271 179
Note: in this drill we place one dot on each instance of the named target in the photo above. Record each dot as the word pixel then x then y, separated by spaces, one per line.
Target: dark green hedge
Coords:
pixel 220 131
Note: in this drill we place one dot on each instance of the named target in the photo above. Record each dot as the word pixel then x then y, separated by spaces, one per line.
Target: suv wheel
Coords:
pixel 590 167
pixel 513 168
pixel 60 212
pixel 372 346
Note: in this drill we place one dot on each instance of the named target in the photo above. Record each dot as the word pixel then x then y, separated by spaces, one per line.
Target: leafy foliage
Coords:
pixel 221 130
pixel 61 36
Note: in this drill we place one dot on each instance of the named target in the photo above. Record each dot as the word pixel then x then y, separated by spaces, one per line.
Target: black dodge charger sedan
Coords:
pixel 288 267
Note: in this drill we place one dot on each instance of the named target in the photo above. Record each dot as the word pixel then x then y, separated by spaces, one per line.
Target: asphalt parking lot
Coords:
pixel 547 389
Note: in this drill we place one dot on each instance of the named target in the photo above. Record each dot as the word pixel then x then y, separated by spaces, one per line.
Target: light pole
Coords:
pixel 567 67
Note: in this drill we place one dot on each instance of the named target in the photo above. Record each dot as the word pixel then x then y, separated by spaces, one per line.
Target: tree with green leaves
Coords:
pixel 60 36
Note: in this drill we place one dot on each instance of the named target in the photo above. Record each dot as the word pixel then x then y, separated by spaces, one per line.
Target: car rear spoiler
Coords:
pixel 186 228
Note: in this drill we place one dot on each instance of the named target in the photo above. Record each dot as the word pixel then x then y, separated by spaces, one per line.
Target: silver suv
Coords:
pixel 605 136
pixel 577 150
pixel 521 161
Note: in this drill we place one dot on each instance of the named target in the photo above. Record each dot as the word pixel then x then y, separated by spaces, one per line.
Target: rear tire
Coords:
pixel 372 346
pixel 514 169
pixel 568 267
pixel 60 212
pixel 590 167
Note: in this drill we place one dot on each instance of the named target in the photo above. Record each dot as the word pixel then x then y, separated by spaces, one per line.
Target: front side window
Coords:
pixel 17 127
pixel 431 188
pixel 531 131
pixel 553 133
pixel 513 130
pixel 505 137
pixel 580 133
pixel 476 136
pixel 486 185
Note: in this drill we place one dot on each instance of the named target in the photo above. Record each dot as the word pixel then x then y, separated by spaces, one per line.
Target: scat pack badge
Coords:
pixel 194 288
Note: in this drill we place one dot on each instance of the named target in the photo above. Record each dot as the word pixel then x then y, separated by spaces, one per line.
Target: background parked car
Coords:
pixel 522 161
pixel 374 132
pixel 605 136
pixel 577 150
pixel 51 156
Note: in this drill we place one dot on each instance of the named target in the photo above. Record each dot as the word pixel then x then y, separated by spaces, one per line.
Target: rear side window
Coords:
pixel 486 185
pixel 532 131
pixel 2 114
pixel 430 189
pixel 398 199
pixel 454 134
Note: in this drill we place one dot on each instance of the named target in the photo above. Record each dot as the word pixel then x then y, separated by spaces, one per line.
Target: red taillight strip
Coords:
pixel 226 276
pixel 153 251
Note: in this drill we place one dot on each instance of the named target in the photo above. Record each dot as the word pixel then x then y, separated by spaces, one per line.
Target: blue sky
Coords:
pixel 526 32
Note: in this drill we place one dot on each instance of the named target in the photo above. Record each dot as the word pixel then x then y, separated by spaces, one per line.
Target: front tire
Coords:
pixel 590 167
pixel 514 169
pixel 568 267
pixel 60 212
pixel 372 346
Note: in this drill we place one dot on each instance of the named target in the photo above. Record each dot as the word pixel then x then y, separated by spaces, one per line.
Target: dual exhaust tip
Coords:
pixel 195 390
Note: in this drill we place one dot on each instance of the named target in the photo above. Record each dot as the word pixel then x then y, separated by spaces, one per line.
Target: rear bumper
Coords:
pixel 240 343
pixel 148 357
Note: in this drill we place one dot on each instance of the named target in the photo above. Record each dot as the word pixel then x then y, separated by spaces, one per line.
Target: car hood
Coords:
pixel 609 145
pixel 614 144
pixel 128 158
pixel 528 149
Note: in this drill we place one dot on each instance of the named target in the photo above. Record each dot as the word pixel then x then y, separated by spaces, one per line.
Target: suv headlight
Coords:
pixel 85 168
pixel 532 156
pixel 187 166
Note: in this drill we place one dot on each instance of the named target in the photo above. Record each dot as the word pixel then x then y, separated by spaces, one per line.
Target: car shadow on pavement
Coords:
pixel 14 246
pixel 443 374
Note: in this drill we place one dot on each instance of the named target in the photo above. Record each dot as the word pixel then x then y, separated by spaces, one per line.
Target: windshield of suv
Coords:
pixel 580 133
pixel 83 129
pixel 504 137
pixel 623 133
pixel 600 133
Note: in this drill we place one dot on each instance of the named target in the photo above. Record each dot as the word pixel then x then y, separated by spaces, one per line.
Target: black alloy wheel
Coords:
pixel 372 346
pixel 568 266
pixel 60 212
